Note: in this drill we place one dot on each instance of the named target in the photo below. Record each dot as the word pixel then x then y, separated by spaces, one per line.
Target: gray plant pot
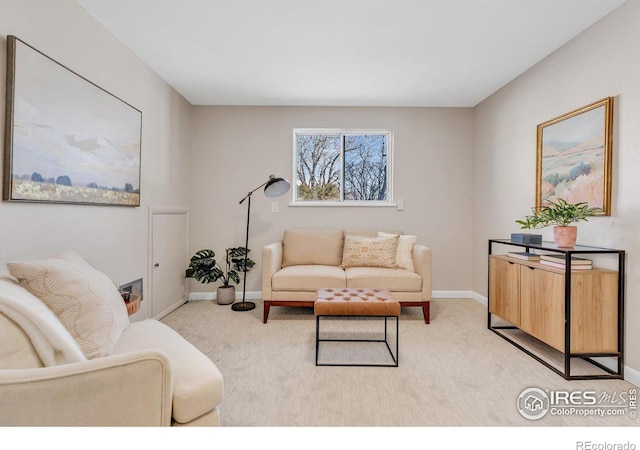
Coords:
pixel 226 295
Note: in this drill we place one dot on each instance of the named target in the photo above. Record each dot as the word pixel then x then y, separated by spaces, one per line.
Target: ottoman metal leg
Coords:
pixel 394 357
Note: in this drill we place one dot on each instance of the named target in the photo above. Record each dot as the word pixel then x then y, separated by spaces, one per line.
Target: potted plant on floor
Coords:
pixel 561 214
pixel 204 268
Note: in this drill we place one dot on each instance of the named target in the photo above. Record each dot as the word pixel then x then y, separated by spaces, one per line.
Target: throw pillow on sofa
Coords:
pixel 360 251
pixel 404 254
pixel 32 335
pixel 84 299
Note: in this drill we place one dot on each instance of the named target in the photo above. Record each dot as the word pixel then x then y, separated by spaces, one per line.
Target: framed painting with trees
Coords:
pixel 66 139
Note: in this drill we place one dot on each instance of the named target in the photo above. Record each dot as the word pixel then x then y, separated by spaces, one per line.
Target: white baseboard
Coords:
pixel 249 295
pixel 632 376
pixel 480 298
pixel 257 295
pixel 451 294
pixel 460 294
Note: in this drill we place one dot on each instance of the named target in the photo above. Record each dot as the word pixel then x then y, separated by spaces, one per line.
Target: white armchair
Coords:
pixel 152 376
pixel 133 389
pixel 173 385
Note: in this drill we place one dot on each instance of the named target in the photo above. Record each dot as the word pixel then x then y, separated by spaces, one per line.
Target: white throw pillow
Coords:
pixel 84 299
pixel 404 254
pixel 360 251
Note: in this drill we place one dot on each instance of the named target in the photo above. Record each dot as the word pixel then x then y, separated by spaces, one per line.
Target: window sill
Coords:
pixel 343 204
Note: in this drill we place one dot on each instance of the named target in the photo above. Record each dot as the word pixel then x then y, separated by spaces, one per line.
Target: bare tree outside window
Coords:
pixel 318 167
pixel 365 167
pixel 341 166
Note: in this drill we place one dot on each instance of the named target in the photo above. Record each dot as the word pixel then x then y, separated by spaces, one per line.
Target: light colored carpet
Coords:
pixel 453 372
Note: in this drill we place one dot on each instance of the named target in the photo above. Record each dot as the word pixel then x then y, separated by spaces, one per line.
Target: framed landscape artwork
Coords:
pixel 66 139
pixel 574 157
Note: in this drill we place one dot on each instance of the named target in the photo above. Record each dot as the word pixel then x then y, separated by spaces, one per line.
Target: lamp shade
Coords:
pixel 276 187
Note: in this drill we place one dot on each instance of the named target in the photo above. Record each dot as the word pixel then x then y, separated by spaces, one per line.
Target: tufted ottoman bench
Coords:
pixel 359 303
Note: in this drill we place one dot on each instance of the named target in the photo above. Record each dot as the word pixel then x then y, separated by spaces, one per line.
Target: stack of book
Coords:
pixel 559 261
pixel 524 255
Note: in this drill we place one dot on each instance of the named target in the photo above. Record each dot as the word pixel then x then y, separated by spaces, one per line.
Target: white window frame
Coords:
pixel 342 132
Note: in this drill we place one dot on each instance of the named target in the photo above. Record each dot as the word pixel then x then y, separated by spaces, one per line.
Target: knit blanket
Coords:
pixel 51 340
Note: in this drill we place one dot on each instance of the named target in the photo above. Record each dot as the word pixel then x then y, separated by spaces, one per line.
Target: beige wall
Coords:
pixel 114 239
pixel 236 148
pixel 603 61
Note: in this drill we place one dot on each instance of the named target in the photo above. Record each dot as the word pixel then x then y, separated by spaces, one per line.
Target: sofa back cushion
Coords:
pixel 309 247
pixel 84 299
pixel 369 233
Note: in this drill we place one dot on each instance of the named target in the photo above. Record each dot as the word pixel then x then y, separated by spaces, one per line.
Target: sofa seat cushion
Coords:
pixel 382 278
pixel 308 278
pixel 197 382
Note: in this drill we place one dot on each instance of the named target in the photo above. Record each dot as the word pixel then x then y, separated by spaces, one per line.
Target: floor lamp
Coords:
pixel 273 187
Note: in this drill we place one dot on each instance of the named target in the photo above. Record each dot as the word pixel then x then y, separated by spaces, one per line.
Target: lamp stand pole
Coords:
pixel 246 306
pixel 273 187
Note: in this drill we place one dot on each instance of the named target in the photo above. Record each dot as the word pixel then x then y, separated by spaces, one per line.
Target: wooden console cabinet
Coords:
pixel 577 312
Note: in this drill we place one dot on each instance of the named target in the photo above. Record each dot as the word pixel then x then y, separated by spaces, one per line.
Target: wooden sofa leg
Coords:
pixel 423 305
pixel 265 314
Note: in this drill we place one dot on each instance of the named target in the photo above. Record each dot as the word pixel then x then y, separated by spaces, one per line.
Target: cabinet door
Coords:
pixel 594 311
pixel 542 305
pixel 504 289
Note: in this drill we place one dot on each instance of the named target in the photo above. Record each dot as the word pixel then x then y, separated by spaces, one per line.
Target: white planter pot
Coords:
pixel 226 295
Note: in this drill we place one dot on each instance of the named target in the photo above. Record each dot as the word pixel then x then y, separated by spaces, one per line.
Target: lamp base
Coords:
pixel 243 306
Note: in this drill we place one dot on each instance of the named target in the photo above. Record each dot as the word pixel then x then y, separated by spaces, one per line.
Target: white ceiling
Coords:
pixel 343 52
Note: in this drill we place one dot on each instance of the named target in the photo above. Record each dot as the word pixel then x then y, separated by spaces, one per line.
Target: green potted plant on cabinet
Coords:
pixel 561 214
pixel 204 268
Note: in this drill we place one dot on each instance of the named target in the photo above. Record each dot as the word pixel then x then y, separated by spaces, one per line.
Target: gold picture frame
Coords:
pixel 573 159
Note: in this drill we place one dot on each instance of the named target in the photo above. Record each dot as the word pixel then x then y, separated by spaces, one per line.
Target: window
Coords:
pixel 342 167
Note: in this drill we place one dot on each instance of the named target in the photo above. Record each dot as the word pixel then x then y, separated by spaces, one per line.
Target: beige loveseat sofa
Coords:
pixel 54 375
pixel 304 261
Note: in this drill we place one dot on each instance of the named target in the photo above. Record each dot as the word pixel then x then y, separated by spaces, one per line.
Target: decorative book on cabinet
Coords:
pixel 579 313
